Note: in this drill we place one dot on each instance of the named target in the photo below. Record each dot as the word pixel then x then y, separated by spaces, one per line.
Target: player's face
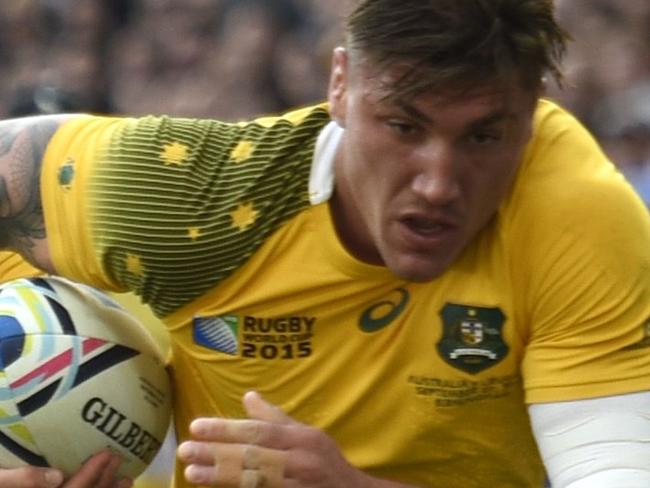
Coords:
pixel 417 179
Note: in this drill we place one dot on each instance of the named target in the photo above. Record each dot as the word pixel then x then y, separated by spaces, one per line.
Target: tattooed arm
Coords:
pixel 22 146
pixel 22 229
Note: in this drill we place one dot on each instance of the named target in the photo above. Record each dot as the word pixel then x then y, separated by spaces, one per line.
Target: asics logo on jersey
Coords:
pixel 381 314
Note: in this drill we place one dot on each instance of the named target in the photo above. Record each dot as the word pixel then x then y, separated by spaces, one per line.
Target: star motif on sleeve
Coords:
pixel 174 153
pixel 134 265
pixel 242 151
pixel 194 233
pixel 244 216
pixel 267 121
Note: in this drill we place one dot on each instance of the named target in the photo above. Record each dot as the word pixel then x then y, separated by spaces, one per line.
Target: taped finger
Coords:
pixel 269 463
pixel 255 478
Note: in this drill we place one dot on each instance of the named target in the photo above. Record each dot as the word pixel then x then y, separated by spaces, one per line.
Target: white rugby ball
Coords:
pixel 78 374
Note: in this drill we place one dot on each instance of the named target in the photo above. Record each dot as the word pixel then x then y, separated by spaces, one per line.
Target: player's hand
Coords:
pixel 100 471
pixel 268 450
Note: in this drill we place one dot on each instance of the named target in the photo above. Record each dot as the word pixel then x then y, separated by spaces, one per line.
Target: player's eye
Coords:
pixel 401 127
pixel 485 137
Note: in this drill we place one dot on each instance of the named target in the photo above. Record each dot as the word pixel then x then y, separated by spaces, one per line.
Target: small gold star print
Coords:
pixel 134 264
pixel 244 216
pixel 242 151
pixel 267 122
pixel 174 153
pixel 194 233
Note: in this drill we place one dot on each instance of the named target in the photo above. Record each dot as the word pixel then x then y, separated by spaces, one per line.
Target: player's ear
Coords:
pixel 337 89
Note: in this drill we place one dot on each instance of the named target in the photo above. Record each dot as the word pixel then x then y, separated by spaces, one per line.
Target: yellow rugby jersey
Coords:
pixel 225 229
pixel 12 267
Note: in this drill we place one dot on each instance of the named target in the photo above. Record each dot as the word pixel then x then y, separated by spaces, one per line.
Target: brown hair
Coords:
pixel 459 43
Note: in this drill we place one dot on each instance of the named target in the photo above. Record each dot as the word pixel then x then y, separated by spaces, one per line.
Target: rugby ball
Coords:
pixel 78 374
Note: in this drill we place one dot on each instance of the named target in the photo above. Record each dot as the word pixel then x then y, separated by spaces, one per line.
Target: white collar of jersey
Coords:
pixel 321 179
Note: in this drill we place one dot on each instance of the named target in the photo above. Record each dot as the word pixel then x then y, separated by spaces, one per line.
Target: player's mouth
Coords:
pixel 421 233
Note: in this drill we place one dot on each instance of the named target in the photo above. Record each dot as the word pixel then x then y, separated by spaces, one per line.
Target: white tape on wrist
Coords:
pixel 596 443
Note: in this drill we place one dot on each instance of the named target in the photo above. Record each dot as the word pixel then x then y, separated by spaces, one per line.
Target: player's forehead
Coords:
pixel 395 79
pixel 479 99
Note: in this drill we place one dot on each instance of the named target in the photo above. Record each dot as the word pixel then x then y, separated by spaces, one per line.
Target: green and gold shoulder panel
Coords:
pixel 178 204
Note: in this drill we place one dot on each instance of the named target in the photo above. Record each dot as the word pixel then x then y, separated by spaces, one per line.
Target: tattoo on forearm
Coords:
pixel 22 146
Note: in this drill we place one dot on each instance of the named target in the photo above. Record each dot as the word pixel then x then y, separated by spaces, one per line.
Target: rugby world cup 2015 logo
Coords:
pixel 219 333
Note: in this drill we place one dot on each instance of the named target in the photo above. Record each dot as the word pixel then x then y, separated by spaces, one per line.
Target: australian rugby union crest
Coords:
pixel 472 338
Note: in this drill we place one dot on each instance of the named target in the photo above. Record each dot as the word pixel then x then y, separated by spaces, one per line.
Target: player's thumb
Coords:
pixel 259 409
pixel 31 477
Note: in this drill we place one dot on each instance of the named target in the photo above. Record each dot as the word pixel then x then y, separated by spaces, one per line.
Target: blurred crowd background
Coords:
pixel 234 58
pixel 231 59
pixel 206 58
pixel 608 79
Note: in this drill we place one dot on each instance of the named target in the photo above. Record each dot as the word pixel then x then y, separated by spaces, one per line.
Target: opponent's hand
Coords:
pixel 98 472
pixel 268 450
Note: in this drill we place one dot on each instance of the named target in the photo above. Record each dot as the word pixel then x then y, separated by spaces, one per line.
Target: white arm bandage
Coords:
pixel 597 443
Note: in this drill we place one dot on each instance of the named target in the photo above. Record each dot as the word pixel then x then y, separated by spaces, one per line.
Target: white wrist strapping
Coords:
pixel 596 443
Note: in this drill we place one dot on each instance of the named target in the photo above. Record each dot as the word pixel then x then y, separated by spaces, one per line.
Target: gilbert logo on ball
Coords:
pixel 78 374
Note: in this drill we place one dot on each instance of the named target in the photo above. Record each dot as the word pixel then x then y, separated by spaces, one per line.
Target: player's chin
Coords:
pixel 418 267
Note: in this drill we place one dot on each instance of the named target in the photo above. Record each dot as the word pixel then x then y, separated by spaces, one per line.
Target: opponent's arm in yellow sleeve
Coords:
pixel 22 146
